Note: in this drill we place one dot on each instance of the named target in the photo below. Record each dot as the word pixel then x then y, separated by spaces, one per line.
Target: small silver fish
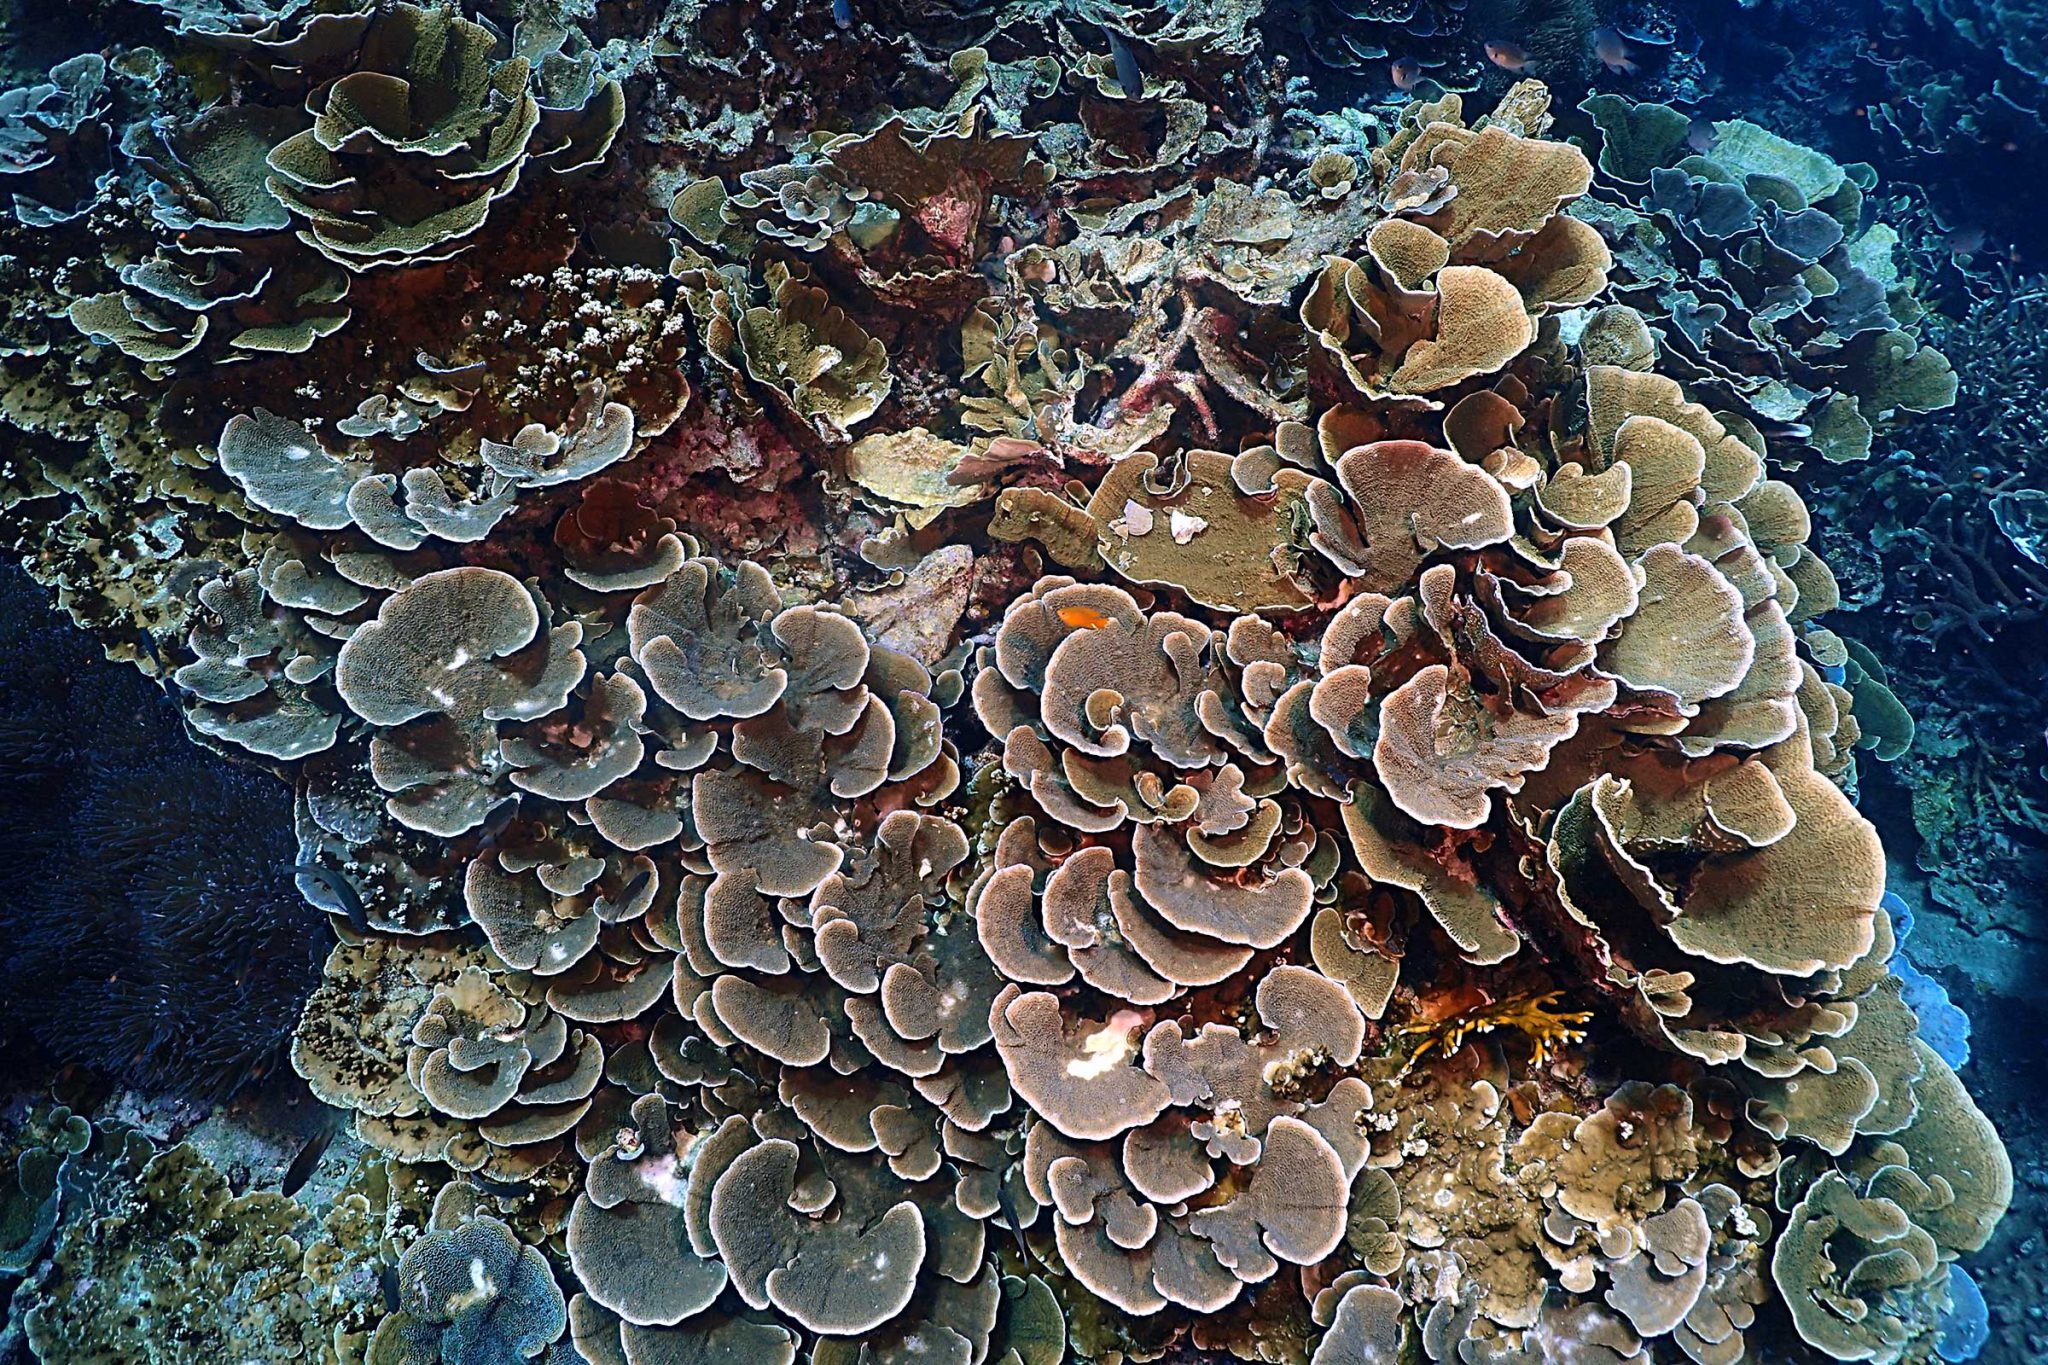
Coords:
pixel 1613 51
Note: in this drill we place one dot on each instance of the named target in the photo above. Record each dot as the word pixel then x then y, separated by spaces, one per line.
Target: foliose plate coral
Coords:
pixel 971 688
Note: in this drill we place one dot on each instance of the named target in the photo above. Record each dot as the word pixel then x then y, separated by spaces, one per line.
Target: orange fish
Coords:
pixel 1612 50
pixel 1508 56
pixel 1405 73
pixel 1083 618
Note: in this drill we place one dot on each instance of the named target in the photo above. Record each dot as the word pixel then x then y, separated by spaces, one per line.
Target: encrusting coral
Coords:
pixel 1077 718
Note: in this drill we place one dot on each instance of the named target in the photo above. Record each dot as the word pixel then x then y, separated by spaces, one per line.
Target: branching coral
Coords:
pixel 1391 883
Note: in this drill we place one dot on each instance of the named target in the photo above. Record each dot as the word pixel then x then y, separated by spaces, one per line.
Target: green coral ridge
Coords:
pixel 1770 283
pixel 1072 712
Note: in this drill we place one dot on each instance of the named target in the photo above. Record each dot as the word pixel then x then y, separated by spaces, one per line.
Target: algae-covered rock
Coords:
pixel 175 1267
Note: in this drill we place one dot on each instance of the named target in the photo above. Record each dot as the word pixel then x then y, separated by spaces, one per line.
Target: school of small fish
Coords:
pixel 1609 47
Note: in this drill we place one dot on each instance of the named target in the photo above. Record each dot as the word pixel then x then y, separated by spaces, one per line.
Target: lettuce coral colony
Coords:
pixel 975 689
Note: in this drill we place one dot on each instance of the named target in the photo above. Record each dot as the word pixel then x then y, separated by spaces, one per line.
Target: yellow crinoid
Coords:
pixel 1534 1015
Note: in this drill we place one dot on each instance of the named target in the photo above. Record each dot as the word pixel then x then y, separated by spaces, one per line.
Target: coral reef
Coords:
pixel 1960 610
pixel 1769 284
pixel 152 1258
pixel 1947 95
pixel 1075 709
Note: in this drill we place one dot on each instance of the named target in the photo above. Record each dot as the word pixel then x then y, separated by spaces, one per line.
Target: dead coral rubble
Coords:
pixel 1037 747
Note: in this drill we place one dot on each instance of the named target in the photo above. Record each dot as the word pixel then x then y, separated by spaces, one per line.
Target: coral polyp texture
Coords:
pixel 984 691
